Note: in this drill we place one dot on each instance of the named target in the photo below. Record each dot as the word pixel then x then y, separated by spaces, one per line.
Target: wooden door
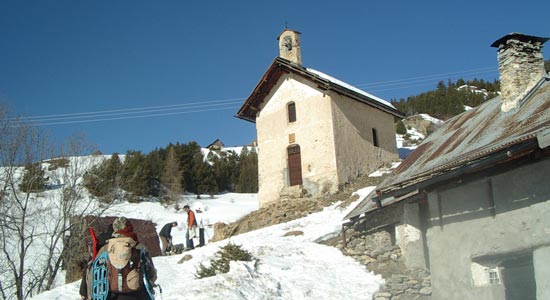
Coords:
pixel 294 165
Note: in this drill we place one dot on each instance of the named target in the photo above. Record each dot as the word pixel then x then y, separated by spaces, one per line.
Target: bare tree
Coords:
pixel 171 178
pixel 34 226
pixel 68 207
pixel 20 212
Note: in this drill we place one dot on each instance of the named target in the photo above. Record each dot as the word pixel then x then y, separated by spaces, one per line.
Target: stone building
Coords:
pixel 471 203
pixel 314 132
pixel 216 145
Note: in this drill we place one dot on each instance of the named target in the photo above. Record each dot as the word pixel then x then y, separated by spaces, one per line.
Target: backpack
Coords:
pixel 123 265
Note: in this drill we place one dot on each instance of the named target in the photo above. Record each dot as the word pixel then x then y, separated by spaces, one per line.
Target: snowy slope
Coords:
pixel 294 267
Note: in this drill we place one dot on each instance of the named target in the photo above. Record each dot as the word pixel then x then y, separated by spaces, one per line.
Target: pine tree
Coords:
pixel 203 177
pixel 400 127
pixel 33 179
pixel 105 180
pixel 188 154
pixel 248 175
pixel 136 176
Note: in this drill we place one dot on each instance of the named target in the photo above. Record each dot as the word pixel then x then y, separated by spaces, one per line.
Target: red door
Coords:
pixel 294 165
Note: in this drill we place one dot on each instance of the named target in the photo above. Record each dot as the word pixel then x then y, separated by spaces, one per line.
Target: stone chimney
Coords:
pixel 521 66
pixel 289 46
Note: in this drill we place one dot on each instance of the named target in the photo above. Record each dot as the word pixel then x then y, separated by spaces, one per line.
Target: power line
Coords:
pixel 429 77
pixel 77 116
pixel 135 110
pixel 129 117
pixel 396 86
pixel 175 109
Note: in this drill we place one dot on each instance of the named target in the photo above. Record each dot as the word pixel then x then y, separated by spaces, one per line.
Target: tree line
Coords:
pixel 447 100
pixel 169 172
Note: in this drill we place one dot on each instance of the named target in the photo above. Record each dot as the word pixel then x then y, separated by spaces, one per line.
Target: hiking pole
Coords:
pixel 160 291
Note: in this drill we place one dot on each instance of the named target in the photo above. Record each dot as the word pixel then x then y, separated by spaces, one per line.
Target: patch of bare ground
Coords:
pixel 290 209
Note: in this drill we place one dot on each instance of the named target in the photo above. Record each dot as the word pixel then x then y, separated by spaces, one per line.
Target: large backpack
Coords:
pixel 123 265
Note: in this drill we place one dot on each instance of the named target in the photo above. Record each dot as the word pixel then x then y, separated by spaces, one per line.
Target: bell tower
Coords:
pixel 289 46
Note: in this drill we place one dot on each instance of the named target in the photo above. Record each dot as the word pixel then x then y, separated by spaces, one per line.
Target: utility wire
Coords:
pixel 122 112
pixel 136 110
pixel 429 77
pixel 131 117
pixel 164 110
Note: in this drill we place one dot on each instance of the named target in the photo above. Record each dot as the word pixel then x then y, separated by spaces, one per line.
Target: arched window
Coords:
pixel 294 165
pixel 291 108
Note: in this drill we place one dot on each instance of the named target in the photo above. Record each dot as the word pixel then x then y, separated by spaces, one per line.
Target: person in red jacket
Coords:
pixel 191 228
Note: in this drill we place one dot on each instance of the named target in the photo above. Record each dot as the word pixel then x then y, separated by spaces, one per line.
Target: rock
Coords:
pixel 406 297
pixel 219 231
pixel 426 291
pixel 185 258
pixel 382 294
pixel 294 233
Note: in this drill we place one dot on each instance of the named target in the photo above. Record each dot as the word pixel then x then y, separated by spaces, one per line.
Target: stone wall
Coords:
pixel 376 250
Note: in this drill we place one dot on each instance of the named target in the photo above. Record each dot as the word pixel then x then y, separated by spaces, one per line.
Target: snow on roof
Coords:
pixel 350 87
pixel 431 119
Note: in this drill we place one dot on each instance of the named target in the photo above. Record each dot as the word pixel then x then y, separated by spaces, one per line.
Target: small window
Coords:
pixel 375 138
pixel 291 112
pixel 493 276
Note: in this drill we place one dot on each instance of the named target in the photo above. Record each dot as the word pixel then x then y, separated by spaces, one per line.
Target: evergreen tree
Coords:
pixel 154 163
pixel 220 169
pixel 400 127
pixel 233 169
pixel 248 177
pixel 136 176
pixel 104 180
pixel 203 178
pixel 33 179
pixel 189 154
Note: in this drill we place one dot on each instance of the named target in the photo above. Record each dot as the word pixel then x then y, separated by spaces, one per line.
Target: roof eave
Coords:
pixel 510 153
pixel 281 66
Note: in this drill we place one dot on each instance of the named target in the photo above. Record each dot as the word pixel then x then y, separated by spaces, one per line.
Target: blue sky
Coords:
pixel 185 67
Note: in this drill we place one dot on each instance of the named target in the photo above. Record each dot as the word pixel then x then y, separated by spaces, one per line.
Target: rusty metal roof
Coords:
pixel 280 66
pixel 464 140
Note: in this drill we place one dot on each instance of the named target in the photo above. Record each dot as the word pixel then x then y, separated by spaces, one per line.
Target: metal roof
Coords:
pixel 281 66
pixel 466 140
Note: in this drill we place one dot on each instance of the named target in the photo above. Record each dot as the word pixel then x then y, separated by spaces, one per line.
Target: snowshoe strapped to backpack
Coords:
pixel 121 268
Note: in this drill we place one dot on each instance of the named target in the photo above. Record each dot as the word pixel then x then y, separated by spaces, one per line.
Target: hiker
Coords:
pixel 104 236
pixel 124 260
pixel 123 227
pixel 191 228
pixel 201 231
pixel 165 235
pixel 101 241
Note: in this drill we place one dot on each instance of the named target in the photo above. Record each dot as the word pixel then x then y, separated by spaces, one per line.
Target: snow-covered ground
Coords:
pixel 293 267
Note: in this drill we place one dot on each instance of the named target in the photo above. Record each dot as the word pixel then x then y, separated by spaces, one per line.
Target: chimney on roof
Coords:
pixel 521 66
pixel 289 46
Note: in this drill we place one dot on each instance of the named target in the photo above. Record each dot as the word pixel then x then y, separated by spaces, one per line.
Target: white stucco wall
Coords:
pixel 313 133
pixel 486 222
pixel 355 151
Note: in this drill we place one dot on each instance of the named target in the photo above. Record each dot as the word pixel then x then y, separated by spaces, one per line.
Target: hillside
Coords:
pixel 449 99
pixel 292 209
